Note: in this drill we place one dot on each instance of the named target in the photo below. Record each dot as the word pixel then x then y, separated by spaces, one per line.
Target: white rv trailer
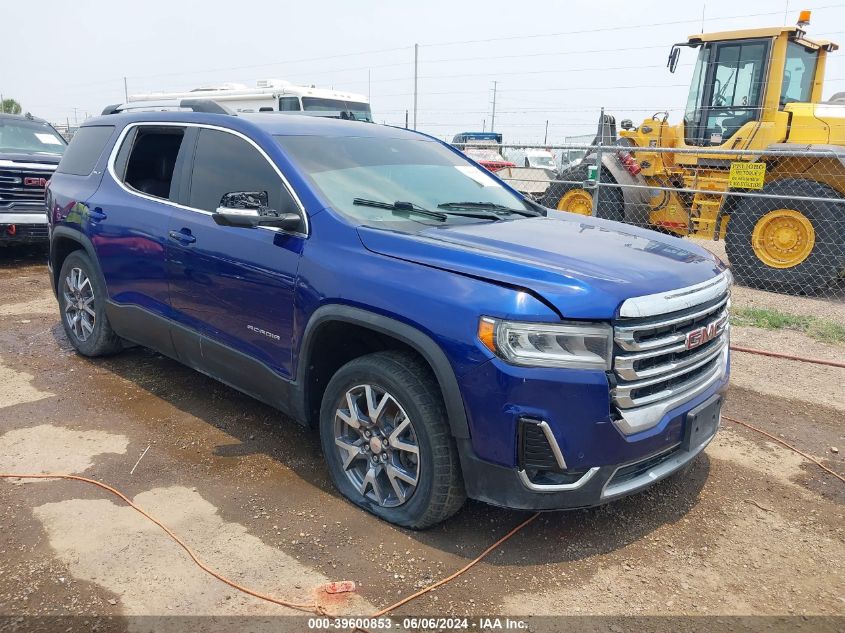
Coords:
pixel 272 95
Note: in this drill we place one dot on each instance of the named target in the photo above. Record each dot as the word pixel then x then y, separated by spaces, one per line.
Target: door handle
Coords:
pixel 184 236
pixel 96 214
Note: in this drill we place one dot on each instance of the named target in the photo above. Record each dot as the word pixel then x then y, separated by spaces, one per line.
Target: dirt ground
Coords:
pixel 751 528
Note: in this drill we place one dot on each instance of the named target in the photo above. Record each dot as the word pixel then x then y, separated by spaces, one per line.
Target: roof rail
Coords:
pixel 196 105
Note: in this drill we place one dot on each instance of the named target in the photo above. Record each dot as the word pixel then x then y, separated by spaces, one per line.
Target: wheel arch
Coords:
pixel 825 165
pixel 359 332
pixel 65 241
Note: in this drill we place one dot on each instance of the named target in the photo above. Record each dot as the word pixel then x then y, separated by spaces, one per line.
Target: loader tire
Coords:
pixel 572 196
pixel 786 244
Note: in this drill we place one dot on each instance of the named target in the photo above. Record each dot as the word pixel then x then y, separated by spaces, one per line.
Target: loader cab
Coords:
pixel 747 76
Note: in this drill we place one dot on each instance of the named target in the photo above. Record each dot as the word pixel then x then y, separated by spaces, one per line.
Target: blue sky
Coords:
pixel 559 61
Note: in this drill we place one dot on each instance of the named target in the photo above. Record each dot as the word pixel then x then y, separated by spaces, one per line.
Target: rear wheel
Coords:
pixel 82 303
pixel 786 244
pixel 573 198
pixel 386 440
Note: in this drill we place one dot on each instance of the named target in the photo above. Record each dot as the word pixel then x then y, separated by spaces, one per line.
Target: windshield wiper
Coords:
pixel 487 205
pixel 401 206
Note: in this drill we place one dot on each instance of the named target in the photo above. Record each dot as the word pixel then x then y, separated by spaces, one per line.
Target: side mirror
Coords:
pixel 248 209
pixel 674 54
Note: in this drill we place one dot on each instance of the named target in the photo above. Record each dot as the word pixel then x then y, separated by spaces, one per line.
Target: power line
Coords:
pixel 276 63
pixel 605 29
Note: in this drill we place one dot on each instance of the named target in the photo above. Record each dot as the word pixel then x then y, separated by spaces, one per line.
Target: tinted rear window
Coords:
pixel 85 149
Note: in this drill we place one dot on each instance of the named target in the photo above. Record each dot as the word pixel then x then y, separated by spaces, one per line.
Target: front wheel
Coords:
pixel 573 198
pixel 787 243
pixel 386 440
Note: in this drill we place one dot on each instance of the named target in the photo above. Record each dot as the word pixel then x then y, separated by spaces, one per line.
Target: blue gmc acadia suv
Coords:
pixel 449 337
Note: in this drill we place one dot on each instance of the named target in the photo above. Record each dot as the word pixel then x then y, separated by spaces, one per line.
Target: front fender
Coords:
pixel 409 335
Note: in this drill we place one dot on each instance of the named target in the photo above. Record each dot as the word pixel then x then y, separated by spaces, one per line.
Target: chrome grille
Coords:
pixel 662 360
pixel 14 190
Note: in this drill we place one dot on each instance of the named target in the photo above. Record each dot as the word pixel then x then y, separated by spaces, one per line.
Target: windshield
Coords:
pixel 420 172
pixel 318 104
pixel 726 91
pixel 541 161
pixel 30 137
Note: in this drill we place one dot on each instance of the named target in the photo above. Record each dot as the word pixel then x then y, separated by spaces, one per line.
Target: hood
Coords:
pixel 584 267
pixel 7 158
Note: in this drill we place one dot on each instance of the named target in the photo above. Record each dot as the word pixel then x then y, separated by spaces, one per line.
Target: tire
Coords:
pixel 403 389
pixel 80 284
pixel 611 205
pixel 819 269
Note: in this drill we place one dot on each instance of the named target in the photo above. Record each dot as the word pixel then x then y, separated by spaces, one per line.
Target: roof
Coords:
pixel 21 117
pixel 274 123
pixel 773 31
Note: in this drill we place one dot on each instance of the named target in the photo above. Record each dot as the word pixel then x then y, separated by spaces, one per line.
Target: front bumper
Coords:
pixel 23 227
pixel 601 462
pixel 511 488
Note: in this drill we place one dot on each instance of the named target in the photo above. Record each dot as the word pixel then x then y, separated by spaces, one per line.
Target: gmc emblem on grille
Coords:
pixel 701 335
pixel 34 182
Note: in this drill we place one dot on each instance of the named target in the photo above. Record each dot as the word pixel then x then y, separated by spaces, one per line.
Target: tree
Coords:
pixel 10 106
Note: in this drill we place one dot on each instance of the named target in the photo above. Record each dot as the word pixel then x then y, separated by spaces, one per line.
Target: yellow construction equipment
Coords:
pixel 780 210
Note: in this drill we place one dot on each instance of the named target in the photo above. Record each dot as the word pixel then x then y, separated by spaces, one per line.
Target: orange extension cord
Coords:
pixel 789 446
pixel 803 359
pixel 310 608
pixel 451 577
pixel 317 609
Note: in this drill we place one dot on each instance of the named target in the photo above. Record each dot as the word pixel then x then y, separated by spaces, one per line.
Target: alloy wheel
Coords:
pixel 376 445
pixel 78 294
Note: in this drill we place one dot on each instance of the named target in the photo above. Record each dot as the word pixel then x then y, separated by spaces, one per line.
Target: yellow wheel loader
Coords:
pixel 780 207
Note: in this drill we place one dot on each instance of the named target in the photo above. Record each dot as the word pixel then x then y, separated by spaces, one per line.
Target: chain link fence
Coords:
pixel 777 216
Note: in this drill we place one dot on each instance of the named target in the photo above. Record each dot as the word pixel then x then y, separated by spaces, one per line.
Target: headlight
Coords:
pixel 575 345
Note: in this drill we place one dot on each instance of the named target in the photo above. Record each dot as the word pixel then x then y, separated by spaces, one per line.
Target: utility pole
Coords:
pixel 546 135
pixel 125 91
pixel 406 119
pixel 484 125
pixel 493 117
pixel 416 71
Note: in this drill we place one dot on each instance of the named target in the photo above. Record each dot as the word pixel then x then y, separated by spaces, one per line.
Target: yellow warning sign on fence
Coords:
pixel 747 175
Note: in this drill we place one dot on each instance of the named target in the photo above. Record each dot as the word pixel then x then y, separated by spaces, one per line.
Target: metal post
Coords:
pixel 597 184
pixel 406 119
pixel 416 75
pixel 546 135
pixel 493 117
pixel 125 91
